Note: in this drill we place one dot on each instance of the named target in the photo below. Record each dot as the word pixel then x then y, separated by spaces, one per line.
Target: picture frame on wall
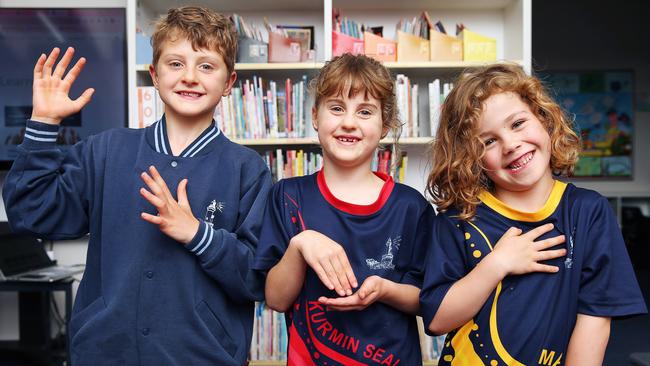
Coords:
pixel 602 106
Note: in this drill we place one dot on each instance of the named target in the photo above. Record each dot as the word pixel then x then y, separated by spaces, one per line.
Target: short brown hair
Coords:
pixel 203 27
pixel 359 74
pixel 457 173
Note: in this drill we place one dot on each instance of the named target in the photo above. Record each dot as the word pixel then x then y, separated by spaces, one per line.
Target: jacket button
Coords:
pixel 149 274
pixel 145 331
pixel 174 164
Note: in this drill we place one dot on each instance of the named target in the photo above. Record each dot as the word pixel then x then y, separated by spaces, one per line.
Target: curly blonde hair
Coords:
pixel 203 27
pixel 458 176
pixel 361 74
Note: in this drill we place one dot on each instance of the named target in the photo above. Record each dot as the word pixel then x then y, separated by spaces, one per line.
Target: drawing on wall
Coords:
pixel 602 104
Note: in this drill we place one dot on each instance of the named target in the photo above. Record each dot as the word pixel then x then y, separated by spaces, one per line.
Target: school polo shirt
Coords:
pixel 388 238
pixel 528 319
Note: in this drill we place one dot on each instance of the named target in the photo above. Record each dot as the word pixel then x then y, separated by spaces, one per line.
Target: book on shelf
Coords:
pixel 150 106
pixel 262 109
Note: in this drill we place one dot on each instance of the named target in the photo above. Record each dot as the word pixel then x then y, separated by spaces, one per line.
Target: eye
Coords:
pixel 175 64
pixel 206 67
pixel 336 109
pixel 518 123
pixel 365 112
pixel 489 141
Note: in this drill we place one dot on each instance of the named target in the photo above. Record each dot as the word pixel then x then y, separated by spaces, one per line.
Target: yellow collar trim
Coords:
pixel 549 207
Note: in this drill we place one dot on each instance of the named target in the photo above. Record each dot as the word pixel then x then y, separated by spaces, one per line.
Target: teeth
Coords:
pixel 521 162
pixel 189 94
pixel 347 139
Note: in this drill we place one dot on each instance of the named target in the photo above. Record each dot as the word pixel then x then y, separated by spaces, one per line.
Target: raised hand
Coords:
pixel 50 100
pixel 174 218
pixel 328 259
pixel 519 253
pixel 370 291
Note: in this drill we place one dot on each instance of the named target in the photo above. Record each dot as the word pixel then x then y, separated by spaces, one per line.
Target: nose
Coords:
pixel 510 143
pixel 189 76
pixel 349 121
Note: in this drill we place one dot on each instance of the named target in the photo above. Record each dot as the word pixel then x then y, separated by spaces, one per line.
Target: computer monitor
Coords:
pixel 98 34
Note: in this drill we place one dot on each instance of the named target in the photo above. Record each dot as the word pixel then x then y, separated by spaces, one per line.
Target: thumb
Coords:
pixel 83 99
pixel 182 193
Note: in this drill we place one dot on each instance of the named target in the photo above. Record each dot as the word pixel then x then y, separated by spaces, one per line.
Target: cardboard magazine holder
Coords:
pixel 283 49
pixel 477 47
pixel 342 43
pixel 379 48
pixel 411 47
pixel 445 47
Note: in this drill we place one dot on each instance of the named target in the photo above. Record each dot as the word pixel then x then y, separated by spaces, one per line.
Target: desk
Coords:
pixel 34 316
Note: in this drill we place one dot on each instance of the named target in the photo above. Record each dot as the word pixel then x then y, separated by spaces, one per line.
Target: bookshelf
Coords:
pixel 507 21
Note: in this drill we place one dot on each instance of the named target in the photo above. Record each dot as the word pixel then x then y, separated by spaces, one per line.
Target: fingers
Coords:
pixel 538 267
pixel 538 231
pixel 157 220
pixel 322 275
pixel 152 184
pixel 182 193
pixel 49 63
pixel 63 64
pixel 512 231
pixel 74 72
pixel 352 300
pixel 550 254
pixel 550 242
pixel 349 273
pixel 38 68
pixel 154 200
pixel 342 273
pixel 160 181
pixel 333 276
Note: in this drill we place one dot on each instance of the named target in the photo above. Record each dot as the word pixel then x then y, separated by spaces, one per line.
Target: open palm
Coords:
pixel 50 100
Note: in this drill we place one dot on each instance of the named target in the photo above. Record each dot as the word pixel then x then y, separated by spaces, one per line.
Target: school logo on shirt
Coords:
pixel 213 207
pixel 386 261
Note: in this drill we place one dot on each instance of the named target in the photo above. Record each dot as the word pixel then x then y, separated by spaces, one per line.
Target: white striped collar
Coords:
pixel 161 144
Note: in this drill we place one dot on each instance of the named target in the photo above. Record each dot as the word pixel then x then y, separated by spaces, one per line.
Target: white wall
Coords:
pixel 600 35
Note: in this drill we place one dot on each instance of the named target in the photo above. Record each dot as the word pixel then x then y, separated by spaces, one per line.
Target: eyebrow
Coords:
pixel 513 115
pixel 339 100
pixel 507 119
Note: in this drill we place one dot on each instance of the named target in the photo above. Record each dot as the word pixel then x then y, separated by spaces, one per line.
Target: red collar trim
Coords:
pixel 351 208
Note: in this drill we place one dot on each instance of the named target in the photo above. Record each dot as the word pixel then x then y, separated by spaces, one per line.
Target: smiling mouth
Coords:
pixel 347 139
pixel 520 163
pixel 189 94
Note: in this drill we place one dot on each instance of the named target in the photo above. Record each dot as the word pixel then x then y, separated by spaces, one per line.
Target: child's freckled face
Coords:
pixel 518 147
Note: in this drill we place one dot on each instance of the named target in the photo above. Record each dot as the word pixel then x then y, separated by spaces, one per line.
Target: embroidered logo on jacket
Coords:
pixel 213 207
pixel 386 259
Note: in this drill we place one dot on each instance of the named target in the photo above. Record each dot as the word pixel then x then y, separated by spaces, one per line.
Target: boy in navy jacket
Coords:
pixel 168 277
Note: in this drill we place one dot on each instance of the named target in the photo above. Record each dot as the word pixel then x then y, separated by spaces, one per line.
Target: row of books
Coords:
pixel 408 105
pixel 270 339
pixel 245 29
pixel 286 163
pixel 264 109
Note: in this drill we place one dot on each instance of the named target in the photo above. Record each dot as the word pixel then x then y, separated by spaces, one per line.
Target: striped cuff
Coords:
pixel 202 240
pixel 38 132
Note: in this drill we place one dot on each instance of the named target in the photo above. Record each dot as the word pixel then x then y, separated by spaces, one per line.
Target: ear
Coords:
pixel 314 118
pixel 154 75
pixel 230 83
